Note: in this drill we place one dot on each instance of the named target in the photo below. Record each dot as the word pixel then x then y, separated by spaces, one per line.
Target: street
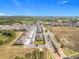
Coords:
pixel 49 38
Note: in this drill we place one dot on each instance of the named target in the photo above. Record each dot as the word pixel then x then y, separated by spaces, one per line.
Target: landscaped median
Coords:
pixel 39 40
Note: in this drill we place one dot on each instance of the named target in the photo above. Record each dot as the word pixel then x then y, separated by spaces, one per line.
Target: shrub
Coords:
pixel 1 42
pixel 18 57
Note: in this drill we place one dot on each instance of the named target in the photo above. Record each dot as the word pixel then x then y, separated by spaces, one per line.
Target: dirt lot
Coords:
pixel 11 52
pixel 69 36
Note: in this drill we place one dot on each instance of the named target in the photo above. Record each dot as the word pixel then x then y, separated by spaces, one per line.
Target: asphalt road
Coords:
pixel 52 45
pixel 50 40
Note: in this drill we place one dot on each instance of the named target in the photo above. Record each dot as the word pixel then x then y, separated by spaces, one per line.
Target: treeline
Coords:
pixel 27 19
pixel 14 19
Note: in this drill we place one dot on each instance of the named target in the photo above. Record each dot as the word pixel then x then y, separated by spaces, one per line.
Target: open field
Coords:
pixel 9 51
pixel 68 36
pixel 18 34
pixel 14 51
pixel 7 37
pixel 70 52
pixel 50 56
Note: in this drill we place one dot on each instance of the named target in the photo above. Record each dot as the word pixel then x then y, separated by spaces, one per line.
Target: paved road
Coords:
pixel 53 46
pixel 31 38
pixel 50 40
pixel 54 41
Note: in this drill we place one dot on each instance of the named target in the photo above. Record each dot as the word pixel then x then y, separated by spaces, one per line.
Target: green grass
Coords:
pixel 50 56
pixel 1 37
pixel 70 52
pixel 4 38
pixel 33 55
pixel 39 42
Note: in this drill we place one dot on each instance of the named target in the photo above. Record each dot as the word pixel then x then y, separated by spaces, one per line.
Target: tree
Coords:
pixel 17 57
pixel 1 42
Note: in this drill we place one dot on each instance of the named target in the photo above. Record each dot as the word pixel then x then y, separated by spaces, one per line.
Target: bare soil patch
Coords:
pixel 69 36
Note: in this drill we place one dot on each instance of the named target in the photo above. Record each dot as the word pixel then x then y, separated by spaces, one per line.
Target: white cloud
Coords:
pixel 19 5
pixel 16 3
pixel 4 14
pixel 62 2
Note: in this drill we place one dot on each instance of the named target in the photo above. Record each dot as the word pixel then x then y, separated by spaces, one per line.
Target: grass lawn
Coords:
pixel 6 37
pixel 39 39
pixel 39 42
pixel 70 52
pixel 50 56
pixel 1 37
pixel 18 34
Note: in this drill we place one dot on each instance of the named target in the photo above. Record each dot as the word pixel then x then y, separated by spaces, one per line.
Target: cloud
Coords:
pixel 19 5
pixel 62 2
pixel 4 14
pixel 16 3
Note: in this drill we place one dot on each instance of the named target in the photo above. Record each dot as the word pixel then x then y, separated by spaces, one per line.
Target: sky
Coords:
pixel 39 7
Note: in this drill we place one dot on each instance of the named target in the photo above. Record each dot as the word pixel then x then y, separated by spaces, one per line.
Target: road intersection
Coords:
pixel 50 41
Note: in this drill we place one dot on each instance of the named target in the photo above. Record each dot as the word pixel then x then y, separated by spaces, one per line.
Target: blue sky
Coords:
pixel 39 7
